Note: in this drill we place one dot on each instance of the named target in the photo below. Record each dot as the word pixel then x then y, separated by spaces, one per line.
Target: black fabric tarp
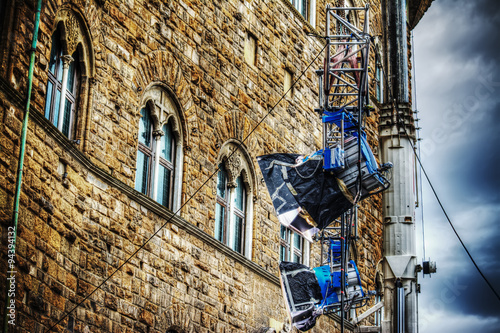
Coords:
pixel 305 197
pixel 302 282
pixel 302 292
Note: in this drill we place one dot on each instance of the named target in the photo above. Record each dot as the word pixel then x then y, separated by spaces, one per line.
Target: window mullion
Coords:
pixel 231 221
pixel 67 59
pixel 156 159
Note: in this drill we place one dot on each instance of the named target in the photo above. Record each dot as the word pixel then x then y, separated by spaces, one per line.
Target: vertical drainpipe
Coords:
pixel 396 121
pixel 22 150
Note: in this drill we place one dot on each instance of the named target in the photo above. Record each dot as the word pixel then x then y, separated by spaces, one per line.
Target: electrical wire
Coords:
pixel 190 198
pixel 401 123
pixel 414 88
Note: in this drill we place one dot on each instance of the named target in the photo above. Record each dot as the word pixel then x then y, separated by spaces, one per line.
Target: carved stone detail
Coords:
pixel 72 32
pixel 236 165
pixel 233 167
pixel 157 134
pixel 67 60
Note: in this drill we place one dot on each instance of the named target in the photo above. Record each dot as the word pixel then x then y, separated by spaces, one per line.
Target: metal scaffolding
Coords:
pixel 343 102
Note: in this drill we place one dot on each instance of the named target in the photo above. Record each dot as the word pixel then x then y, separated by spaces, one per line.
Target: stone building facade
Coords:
pixel 159 94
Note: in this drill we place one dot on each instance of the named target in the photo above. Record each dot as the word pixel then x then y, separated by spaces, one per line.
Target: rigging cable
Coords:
pixel 419 174
pixel 401 122
pixel 190 198
pixel 421 190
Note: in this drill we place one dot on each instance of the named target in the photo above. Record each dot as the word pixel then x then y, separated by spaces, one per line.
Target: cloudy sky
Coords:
pixel 457 53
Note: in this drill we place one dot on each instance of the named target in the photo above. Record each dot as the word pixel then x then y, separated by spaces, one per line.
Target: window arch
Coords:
pixel 62 86
pixel 159 152
pixel 70 66
pixel 234 200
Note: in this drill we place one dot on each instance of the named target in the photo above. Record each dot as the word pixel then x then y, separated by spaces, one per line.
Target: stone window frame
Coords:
pixel 288 83
pixel 165 110
pixel 308 12
pixel 250 50
pixel 302 7
pixel 379 75
pixel 74 36
pixel 237 162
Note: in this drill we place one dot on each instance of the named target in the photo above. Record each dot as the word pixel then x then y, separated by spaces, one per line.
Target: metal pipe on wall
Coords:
pixel 399 322
pixel 17 196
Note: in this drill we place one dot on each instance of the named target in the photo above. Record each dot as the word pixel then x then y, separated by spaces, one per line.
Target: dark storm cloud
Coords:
pixel 458 79
pixel 476 171
pixel 473 32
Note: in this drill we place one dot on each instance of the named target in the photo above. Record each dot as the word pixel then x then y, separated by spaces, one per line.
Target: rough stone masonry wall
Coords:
pixel 75 231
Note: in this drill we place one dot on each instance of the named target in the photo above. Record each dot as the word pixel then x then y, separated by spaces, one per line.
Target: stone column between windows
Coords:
pixel 247 241
pixel 312 13
pixel 157 134
pixel 66 59
pixel 231 186
pixel 177 195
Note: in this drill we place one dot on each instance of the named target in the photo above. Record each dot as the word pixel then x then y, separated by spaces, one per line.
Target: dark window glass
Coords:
pixel 48 101
pixel 144 153
pixel 221 206
pixel 239 215
pixel 291 246
pixel 220 212
pixel 142 173
pixel 67 117
pixel 166 167
pixel 145 128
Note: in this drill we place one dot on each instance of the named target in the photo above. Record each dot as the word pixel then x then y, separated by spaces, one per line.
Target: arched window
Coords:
pixel 159 152
pixel 230 211
pixel 70 75
pixel 234 201
pixel 62 85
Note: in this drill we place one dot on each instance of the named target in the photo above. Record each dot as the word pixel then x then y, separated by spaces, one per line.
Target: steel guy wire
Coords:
pixel 189 199
pixel 415 100
pixel 401 122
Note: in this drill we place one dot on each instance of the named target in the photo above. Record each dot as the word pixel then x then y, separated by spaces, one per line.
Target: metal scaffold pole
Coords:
pixel 349 174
